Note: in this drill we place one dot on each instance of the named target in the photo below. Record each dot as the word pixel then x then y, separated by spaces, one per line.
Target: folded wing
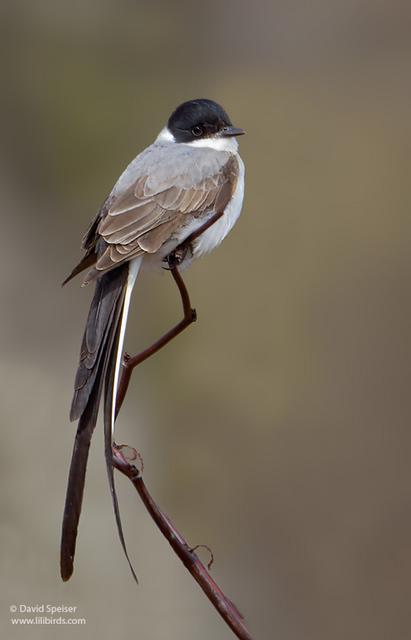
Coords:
pixel 165 192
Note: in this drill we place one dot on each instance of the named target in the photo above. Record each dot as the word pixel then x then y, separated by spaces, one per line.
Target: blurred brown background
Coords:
pixel 279 435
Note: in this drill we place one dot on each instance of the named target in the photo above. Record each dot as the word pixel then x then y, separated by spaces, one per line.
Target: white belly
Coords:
pixel 208 240
pixel 215 234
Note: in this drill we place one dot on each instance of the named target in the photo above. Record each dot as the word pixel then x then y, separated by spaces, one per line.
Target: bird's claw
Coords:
pixel 176 257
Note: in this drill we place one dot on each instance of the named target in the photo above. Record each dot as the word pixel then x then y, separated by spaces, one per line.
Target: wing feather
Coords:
pixel 158 194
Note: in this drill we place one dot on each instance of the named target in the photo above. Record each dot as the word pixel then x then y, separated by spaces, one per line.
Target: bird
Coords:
pixel 175 202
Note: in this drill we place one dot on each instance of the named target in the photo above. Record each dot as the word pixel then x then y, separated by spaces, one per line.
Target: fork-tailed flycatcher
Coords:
pixel 178 198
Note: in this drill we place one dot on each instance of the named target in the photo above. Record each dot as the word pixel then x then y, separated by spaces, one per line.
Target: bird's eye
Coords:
pixel 197 131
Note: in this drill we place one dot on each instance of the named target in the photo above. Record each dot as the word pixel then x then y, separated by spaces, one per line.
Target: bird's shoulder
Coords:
pixel 164 165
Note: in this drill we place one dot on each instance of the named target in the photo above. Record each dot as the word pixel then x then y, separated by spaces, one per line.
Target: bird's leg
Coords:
pixel 176 257
pixel 129 362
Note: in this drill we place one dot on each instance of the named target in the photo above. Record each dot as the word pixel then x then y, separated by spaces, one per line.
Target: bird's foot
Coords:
pixel 176 257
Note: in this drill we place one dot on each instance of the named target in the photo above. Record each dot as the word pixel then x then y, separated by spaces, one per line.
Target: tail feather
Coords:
pixel 110 392
pixel 75 486
pixel 104 313
pixel 108 441
pixel 99 338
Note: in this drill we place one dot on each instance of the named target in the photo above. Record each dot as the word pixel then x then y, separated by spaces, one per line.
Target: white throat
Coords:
pixel 218 144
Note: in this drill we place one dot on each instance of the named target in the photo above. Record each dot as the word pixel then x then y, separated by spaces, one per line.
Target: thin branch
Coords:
pixel 191 561
pixel 189 558
pixel 130 362
pixel 190 316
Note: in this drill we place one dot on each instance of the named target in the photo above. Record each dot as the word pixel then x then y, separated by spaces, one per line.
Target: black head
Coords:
pixel 198 119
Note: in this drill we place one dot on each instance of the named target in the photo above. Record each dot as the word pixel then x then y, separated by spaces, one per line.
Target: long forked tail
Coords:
pixel 100 360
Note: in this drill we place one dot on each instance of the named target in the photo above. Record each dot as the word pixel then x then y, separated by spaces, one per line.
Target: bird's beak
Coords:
pixel 228 132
